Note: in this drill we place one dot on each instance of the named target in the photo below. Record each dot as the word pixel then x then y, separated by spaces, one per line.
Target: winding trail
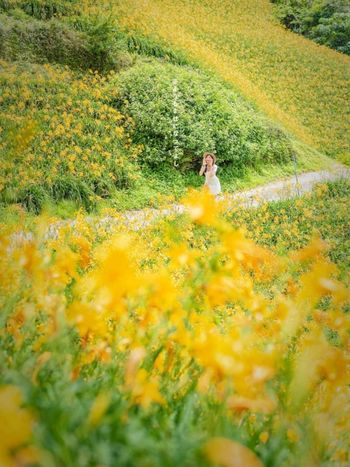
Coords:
pixel 274 191
pixel 291 187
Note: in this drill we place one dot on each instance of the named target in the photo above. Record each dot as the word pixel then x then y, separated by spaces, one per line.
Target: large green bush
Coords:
pixel 208 116
pixel 106 43
pixel 41 42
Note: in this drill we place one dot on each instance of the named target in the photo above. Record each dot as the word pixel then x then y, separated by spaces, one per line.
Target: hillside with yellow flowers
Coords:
pixel 295 81
pixel 262 98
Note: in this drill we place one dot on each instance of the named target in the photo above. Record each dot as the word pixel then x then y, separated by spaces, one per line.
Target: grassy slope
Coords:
pixel 296 82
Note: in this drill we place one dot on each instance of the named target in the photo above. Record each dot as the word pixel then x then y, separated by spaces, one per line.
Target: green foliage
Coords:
pixel 33 198
pixel 106 43
pixel 79 41
pixel 83 42
pixel 40 9
pixel 209 117
pixel 326 22
pixel 151 47
pixel 68 187
pixel 42 42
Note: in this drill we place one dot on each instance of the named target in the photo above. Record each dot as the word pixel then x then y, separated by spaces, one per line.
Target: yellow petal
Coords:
pixel 99 408
pixel 229 453
pixel 240 403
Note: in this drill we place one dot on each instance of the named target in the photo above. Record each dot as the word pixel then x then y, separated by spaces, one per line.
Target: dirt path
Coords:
pixel 292 186
pixel 287 188
pixel 278 190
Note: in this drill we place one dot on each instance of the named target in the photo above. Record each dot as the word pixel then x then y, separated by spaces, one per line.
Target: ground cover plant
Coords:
pixel 186 342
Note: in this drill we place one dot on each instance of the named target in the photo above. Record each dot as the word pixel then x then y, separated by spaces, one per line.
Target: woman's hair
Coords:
pixel 211 155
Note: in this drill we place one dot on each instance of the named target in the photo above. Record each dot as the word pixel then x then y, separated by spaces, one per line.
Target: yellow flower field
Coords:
pixel 185 342
pixel 67 140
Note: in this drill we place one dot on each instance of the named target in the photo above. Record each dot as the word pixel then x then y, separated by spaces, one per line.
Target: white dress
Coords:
pixel 212 181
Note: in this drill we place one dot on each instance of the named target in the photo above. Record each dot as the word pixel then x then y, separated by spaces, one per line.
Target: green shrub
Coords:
pixel 210 117
pixel 148 46
pixel 33 198
pixel 41 42
pixel 106 44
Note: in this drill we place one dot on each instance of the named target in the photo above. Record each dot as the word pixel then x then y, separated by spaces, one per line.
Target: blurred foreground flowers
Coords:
pixel 108 331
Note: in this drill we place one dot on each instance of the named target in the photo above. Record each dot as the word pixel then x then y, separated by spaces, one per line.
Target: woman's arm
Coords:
pixel 202 170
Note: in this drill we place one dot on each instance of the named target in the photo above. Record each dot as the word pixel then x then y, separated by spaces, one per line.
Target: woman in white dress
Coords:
pixel 209 169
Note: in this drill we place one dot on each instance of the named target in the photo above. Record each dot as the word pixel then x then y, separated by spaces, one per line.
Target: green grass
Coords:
pixel 309 160
pixel 153 189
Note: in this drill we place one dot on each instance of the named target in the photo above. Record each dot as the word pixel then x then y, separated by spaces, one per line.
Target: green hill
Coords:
pixel 107 102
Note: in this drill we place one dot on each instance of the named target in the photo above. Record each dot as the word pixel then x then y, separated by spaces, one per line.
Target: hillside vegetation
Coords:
pixel 91 111
pixel 324 21
pixel 216 335
pixel 302 85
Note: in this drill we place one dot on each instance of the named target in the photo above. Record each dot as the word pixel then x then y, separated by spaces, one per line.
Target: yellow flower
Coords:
pixel 318 282
pixel 229 453
pixel 264 437
pixel 98 408
pixel 181 255
pixel 316 247
pixel 292 435
pixel 201 206
pixel 146 390
pixel 16 423
pixel 88 319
